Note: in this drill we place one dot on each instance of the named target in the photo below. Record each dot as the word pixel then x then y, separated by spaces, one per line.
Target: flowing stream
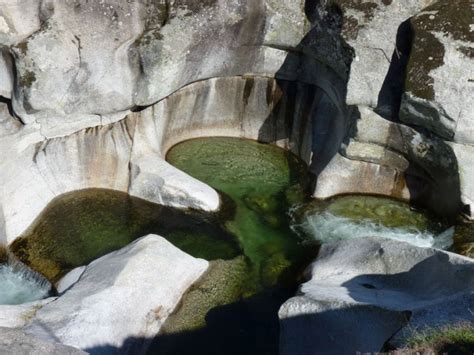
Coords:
pixel 350 217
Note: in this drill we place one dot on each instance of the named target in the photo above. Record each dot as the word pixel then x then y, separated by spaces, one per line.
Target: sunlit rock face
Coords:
pixel 126 295
pixel 15 341
pixel 65 80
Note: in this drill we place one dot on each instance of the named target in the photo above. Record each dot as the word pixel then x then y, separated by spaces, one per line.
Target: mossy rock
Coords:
pixel 451 18
pixel 224 283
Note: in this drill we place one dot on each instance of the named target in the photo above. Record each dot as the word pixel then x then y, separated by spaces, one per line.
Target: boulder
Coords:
pixel 361 292
pixel 440 72
pixel 393 159
pixel 147 51
pixel 17 342
pixel 121 300
pixel 376 31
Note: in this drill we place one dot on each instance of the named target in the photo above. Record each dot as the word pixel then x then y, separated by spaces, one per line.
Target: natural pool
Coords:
pixel 81 226
pixel 258 244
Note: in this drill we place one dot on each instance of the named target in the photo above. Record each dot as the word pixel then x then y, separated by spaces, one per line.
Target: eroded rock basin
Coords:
pixel 265 234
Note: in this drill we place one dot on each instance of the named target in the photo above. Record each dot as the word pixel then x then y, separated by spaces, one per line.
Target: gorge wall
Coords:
pixel 94 94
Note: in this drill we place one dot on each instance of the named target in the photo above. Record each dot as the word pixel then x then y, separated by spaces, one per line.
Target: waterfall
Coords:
pixel 327 227
pixel 19 284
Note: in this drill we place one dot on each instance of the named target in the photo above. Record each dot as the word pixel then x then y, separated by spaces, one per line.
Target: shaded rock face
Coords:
pixel 370 291
pixel 412 66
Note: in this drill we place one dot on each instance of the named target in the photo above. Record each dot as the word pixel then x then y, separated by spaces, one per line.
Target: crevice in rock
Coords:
pixel 8 102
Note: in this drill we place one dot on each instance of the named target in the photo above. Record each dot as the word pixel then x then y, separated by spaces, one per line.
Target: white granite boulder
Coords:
pixel 360 293
pixel 121 300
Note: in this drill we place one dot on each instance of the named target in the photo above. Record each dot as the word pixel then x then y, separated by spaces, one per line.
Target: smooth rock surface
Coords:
pixel 19 315
pixel 68 280
pixel 361 292
pixel 129 155
pixel 122 298
pixel 17 342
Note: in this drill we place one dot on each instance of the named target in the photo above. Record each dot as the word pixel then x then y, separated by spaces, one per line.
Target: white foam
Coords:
pixel 326 227
pixel 19 284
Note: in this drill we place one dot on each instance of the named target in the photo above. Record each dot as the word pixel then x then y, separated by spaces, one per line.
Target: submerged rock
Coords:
pixel 121 300
pixel 361 292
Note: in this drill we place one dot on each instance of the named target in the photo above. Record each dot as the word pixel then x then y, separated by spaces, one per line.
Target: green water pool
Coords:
pixel 263 181
pixel 258 244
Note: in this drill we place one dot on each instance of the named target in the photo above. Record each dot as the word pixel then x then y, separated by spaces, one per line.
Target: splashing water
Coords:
pixel 18 284
pixel 327 227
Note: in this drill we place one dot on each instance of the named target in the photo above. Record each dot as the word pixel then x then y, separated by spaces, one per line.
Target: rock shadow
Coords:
pixel 364 313
pixel 311 105
pixel 432 177
pixel 393 87
pixel 249 326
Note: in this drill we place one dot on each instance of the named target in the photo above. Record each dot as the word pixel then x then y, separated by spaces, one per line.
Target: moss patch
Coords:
pixel 427 53
pixel 81 226
pixel 453 339
pixel 27 78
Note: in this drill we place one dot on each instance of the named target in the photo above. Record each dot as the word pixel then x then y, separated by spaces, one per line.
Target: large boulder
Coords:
pixel 121 300
pixel 376 31
pixel 17 342
pixel 147 51
pixel 439 72
pixel 361 292
pixel 393 159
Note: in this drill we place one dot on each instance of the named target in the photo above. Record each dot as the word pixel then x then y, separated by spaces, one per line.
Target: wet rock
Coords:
pixel 121 299
pixel 15 341
pixel 361 292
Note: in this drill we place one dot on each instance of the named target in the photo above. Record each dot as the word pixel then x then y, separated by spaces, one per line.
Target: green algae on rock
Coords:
pixel 81 226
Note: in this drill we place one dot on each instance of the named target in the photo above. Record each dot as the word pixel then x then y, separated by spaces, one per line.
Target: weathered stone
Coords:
pixel 64 77
pixel 372 29
pixel 16 342
pixel 122 296
pixel 18 19
pixel 439 72
pixel 377 154
pixel 360 292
